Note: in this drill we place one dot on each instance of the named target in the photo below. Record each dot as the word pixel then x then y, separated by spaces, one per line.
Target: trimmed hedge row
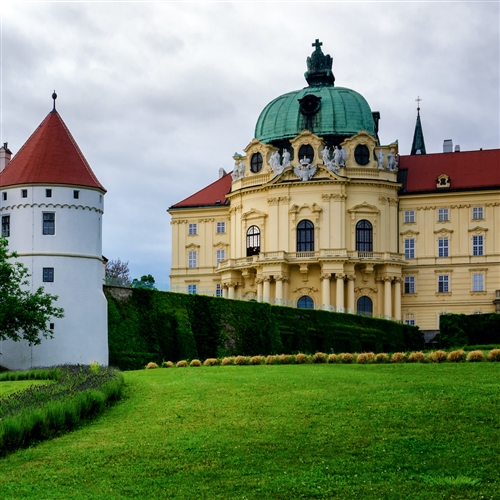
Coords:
pixel 155 326
pixel 462 329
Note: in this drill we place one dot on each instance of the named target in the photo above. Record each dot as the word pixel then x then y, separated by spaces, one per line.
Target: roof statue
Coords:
pixel 418 144
pixel 319 67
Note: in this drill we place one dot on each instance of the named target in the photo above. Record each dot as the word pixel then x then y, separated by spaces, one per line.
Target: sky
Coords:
pixel 161 95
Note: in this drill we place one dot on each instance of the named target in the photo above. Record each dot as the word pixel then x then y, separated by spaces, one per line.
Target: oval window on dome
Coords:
pixel 362 155
pixel 306 151
pixel 256 163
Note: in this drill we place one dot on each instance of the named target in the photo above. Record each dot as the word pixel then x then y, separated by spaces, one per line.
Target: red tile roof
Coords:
pixel 209 196
pixel 466 170
pixel 50 156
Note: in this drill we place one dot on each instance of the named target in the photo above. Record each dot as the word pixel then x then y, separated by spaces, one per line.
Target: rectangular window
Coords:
pixel 48 193
pixel 477 213
pixel 48 274
pixel 478 282
pixel 410 319
pixel 192 289
pixel 410 248
pixel 218 290
pixel 443 247
pixel 443 214
pixel 4 196
pixel 193 258
pixel 409 284
pixel 49 223
pixel 220 256
pixel 193 229
pixel 76 194
pixel 221 227
pixel 24 193
pixel 6 226
pixel 409 215
pixel 477 245
pixel 443 283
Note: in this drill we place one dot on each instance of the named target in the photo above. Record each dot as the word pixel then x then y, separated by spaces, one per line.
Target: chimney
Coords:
pixel 447 146
pixel 222 173
pixel 5 156
pixel 457 148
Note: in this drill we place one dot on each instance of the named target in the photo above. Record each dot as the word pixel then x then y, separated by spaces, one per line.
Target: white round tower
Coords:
pixel 51 206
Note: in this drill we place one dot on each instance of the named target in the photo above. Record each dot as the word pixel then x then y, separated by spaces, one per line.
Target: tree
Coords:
pixel 117 273
pixel 145 282
pixel 23 314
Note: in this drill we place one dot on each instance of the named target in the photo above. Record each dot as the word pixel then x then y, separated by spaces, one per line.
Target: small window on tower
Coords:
pixel 4 196
pixel 48 193
pixel 24 193
pixel 48 274
pixel 76 194
pixel 51 326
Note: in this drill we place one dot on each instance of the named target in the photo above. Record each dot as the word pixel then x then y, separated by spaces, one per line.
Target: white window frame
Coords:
pixel 48 275
pixel 192 289
pixel 220 255
pixel 478 282
pixel 443 215
pixel 48 225
pixel 192 228
pixel 443 246
pixel 410 319
pixel 192 259
pixel 409 248
pixel 443 283
pixel 220 227
pixel 477 213
pixel 477 245
pixel 409 216
pixel 6 226
pixel 218 290
pixel 409 284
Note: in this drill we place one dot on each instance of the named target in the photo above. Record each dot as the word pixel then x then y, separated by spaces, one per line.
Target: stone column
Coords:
pixel 224 291
pixel 286 297
pixel 387 297
pixel 397 299
pixel 340 292
pixel 267 289
pixel 231 287
pixel 279 290
pixel 350 293
pixel 259 289
pixel 325 290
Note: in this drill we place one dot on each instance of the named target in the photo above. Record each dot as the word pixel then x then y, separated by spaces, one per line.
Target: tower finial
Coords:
pixel 418 105
pixel 319 67
pixel 54 96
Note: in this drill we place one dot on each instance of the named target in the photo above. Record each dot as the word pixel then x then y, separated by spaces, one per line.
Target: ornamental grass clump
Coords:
pixel 286 359
pixel 181 364
pixel 346 358
pixel 151 365
pixel 398 357
pixel 211 362
pixel 257 360
pixel 319 357
pixel 476 356
pixel 301 358
pixel 269 360
pixel 494 355
pixel 240 360
pixel 167 364
pixel 195 362
pixel 333 358
pixel 227 361
pixel 382 357
pixel 417 357
pixel 456 356
pixel 438 356
pixel 365 357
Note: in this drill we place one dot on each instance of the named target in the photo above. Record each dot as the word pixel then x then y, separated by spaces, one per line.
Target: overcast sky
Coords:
pixel 160 95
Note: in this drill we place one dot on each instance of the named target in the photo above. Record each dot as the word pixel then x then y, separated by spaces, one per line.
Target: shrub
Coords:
pixel 332 358
pixel 211 362
pixel 181 364
pixel 240 360
pixel 195 362
pixel 476 356
pixel 346 357
pixel 301 358
pixel 227 361
pixel 382 357
pixel 365 357
pixel 286 359
pixel 456 356
pixel 269 360
pixel 167 364
pixel 319 357
pixel 398 357
pixel 151 365
pixel 438 356
pixel 494 355
pixel 417 357
pixel 256 360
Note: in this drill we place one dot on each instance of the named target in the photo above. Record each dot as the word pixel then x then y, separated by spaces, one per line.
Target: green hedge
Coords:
pixel 156 326
pixel 457 330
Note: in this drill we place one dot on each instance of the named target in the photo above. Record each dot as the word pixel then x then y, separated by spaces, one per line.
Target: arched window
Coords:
pixel 305 302
pixel 306 151
pixel 253 241
pixel 305 236
pixel 364 236
pixel 365 306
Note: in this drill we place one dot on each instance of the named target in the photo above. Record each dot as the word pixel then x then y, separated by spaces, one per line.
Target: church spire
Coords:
pixel 418 145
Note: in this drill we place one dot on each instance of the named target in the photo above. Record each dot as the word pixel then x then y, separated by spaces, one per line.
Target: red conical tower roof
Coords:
pixel 50 156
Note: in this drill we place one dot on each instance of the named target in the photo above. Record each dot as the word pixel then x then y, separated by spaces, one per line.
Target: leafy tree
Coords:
pixel 117 273
pixel 23 314
pixel 146 281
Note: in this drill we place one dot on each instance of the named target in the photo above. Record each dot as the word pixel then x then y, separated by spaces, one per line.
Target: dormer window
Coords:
pixel 256 163
pixel 443 181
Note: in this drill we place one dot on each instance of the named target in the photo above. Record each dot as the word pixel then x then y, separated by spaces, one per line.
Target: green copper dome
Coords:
pixel 333 113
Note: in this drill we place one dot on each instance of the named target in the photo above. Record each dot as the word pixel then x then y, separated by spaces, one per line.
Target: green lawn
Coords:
pixel 404 431
pixel 7 388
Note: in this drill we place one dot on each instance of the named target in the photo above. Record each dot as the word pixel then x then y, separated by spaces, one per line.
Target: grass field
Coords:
pixel 399 431
pixel 7 388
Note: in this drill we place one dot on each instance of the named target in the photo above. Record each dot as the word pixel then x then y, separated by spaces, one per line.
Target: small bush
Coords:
pixel 417 357
pixel 494 355
pixel 320 357
pixel 167 364
pixel 398 357
pixel 240 360
pixel 476 356
pixel 286 359
pixel 456 356
pixel 151 366
pixel 256 360
pixel 382 357
pixel 346 358
pixel 332 358
pixel 301 358
pixel 227 361
pixel 195 362
pixel 181 364
pixel 438 356
pixel 365 357
pixel 211 362
pixel 269 360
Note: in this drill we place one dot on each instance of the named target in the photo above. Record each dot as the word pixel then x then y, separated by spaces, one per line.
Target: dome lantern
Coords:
pixel 319 67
